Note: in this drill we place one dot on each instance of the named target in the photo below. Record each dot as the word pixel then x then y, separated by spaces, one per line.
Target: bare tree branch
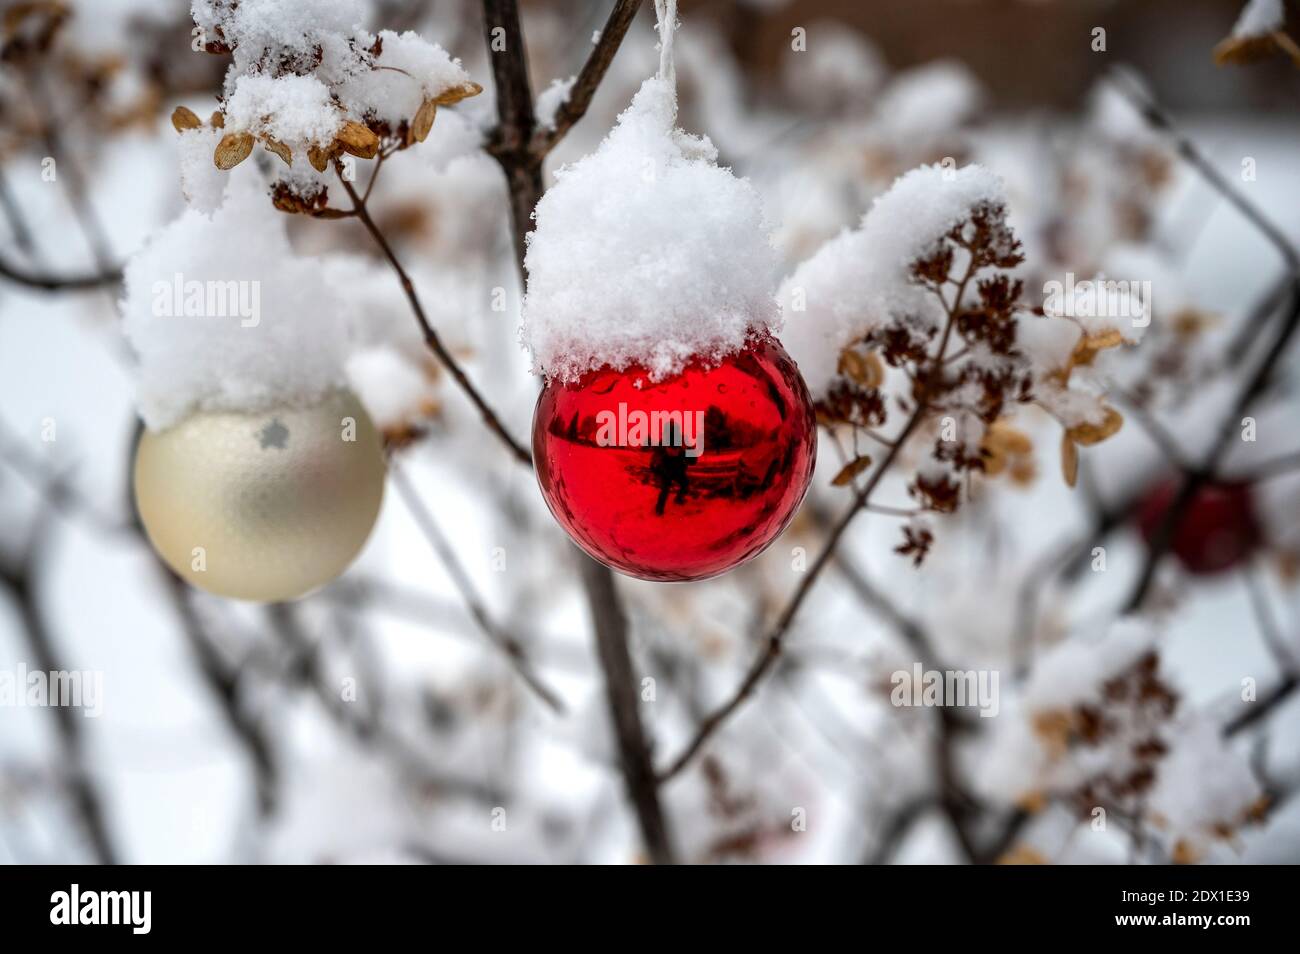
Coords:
pixel 405 754
pixel 1269 468
pixel 510 140
pixel 78 195
pixel 1264 705
pixel 1159 434
pixel 895 829
pixel 624 700
pixel 47 282
pixel 1284 654
pixel 510 143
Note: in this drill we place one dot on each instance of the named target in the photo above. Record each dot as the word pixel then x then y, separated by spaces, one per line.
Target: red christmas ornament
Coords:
pixel 1219 531
pixel 680 479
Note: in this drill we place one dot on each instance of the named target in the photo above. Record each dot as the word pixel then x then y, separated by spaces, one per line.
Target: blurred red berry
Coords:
pixel 1219 531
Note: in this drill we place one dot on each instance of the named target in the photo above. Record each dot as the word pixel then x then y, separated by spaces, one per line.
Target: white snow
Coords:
pixel 202 183
pixel 286 34
pixel 300 69
pixel 291 109
pixel 390 385
pixel 1074 671
pixel 1202 785
pixel 408 70
pixel 1048 342
pixel 646 253
pixel 926 102
pixel 839 63
pixel 293 353
pixel 861 278
pixel 551 99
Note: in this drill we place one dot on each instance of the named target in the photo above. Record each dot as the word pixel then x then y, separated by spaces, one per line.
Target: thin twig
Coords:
pixel 406 754
pixel 78 194
pixel 884 511
pixel 1283 653
pixel 17 223
pixel 1263 706
pixel 584 87
pixel 1268 469
pixel 507 644
pixel 107 272
pixel 224 683
pixel 43 281
pixel 58 490
pixel 952 798
pixel 1129 83
pixel 67 720
pixel 430 335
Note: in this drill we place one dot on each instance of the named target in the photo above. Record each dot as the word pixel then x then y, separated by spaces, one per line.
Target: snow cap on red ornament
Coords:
pixel 646 252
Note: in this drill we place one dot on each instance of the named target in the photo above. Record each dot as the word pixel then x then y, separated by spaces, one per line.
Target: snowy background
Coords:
pixel 224 736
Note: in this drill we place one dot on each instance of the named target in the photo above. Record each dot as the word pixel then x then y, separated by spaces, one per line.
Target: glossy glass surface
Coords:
pixel 688 494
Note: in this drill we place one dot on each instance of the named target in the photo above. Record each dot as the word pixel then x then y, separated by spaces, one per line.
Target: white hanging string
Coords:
pixel 666 11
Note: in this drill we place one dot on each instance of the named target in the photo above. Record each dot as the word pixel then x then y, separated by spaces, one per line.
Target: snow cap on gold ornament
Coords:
pixel 647 252
pixel 223 314
pixel 260 475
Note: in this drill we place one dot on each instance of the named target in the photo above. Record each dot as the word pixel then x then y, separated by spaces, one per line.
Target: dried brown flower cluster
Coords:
pixel 1138 705
pixel 1131 722
pixel 966 371
pixel 352 138
pixel 234 148
pixel 359 130
pixel 1087 433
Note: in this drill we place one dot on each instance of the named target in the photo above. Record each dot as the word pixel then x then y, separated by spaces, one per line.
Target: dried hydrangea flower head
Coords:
pixel 310 85
pixel 927 286
pixel 1099 725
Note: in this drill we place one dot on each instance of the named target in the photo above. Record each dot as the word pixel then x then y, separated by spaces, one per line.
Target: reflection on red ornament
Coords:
pixel 1219 531
pixel 681 479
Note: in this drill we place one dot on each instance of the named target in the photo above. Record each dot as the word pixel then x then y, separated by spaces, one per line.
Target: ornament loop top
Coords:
pixel 666 12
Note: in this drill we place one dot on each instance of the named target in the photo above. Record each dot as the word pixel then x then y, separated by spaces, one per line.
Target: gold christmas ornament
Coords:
pixel 263 506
